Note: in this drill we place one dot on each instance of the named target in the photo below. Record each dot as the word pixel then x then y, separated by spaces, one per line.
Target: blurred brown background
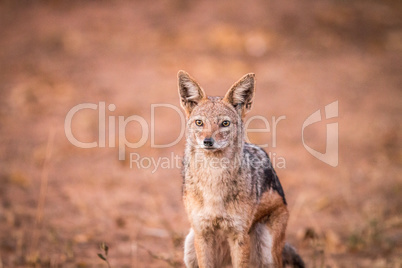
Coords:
pixel 59 202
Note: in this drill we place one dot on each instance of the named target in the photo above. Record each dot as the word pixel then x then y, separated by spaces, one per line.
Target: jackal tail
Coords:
pixel 291 258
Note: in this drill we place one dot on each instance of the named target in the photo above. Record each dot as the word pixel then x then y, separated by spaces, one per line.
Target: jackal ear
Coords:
pixel 241 94
pixel 190 92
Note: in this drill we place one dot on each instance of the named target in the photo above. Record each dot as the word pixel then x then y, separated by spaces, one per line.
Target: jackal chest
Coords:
pixel 216 203
pixel 216 214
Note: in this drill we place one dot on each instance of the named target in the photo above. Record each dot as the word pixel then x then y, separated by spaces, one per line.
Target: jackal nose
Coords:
pixel 208 142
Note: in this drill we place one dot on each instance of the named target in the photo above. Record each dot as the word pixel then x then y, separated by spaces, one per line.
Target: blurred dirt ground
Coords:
pixel 60 202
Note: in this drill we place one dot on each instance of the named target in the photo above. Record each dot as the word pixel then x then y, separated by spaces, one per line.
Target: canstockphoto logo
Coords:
pixel 331 149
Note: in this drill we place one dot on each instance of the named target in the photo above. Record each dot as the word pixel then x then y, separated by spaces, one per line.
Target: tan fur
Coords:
pixel 237 212
pixel 274 214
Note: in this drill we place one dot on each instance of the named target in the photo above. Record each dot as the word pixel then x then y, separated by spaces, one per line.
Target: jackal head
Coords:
pixel 214 124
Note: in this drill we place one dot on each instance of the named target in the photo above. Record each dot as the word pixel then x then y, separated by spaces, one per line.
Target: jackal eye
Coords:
pixel 226 123
pixel 199 123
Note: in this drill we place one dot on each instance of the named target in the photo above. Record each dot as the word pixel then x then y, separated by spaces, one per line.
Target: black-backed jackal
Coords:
pixel 232 195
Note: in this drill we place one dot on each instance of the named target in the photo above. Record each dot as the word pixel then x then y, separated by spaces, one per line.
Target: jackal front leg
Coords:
pixel 205 251
pixel 240 250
